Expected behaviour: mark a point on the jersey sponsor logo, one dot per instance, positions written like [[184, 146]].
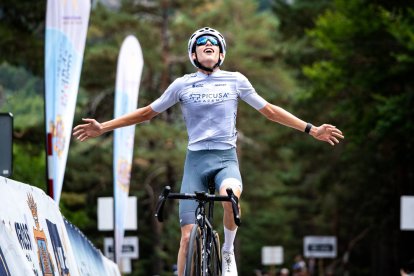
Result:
[[195, 85], [208, 97]]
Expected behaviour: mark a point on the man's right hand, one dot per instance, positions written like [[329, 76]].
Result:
[[91, 129], [327, 133]]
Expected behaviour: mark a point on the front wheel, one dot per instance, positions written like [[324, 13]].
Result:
[[194, 259], [215, 257]]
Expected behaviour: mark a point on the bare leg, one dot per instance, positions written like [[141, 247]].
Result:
[[229, 266], [182, 252], [228, 219]]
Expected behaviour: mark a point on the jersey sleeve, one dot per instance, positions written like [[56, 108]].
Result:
[[248, 93], [168, 98]]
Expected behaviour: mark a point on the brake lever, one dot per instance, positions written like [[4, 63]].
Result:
[[235, 206], [161, 202]]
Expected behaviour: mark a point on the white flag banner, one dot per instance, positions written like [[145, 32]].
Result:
[[129, 69], [66, 29]]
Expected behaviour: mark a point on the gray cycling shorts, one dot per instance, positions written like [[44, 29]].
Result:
[[220, 167]]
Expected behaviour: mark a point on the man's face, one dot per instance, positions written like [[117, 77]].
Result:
[[207, 51]]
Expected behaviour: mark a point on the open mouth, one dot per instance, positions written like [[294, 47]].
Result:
[[209, 51]]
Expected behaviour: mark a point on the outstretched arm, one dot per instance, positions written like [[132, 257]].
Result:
[[325, 132], [92, 128]]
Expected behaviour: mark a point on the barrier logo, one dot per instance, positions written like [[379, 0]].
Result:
[[22, 233], [58, 249], [23, 236], [4, 270], [40, 240]]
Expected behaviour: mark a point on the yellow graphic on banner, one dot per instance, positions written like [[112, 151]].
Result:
[[40, 240], [57, 130], [74, 3], [124, 174]]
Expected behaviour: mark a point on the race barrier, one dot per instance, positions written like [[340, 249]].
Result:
[[35, 239]]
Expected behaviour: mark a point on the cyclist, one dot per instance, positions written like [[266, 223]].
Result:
[[208, 101]]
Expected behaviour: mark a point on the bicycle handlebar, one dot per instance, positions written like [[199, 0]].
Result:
[[235, 205], [161, 202], [198, 196]]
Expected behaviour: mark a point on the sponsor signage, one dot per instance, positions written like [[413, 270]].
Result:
[[36, 240], [407, 217], [130, 248], [272, 255], [128, 78], [106, 213], [6, 144], [319, 247], [65, 36]]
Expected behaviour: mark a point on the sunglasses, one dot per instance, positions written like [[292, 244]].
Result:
[[203, 40]]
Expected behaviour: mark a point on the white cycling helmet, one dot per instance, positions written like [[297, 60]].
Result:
[[201, 32]]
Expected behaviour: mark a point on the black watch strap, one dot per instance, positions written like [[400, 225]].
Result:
[[308, 127]]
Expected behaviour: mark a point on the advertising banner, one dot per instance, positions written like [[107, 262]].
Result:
[[34, 239], [66, 28], [88, 258], [129, 69]]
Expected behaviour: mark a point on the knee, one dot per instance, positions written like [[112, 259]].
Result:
[[228, 208], [185, 237]]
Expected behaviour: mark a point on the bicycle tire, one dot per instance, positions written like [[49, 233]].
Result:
[[193, 264], [215, 256]]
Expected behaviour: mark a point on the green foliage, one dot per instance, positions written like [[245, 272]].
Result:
[[20, 94], [367, 51], [29, 165], [21, 33], [72, 206]]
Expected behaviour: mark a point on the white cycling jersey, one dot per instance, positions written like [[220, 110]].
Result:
[[209, 106]]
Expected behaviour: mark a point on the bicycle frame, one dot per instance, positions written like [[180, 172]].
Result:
[[203, 219]]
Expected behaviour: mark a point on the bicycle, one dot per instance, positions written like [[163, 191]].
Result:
[[203, 255]]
